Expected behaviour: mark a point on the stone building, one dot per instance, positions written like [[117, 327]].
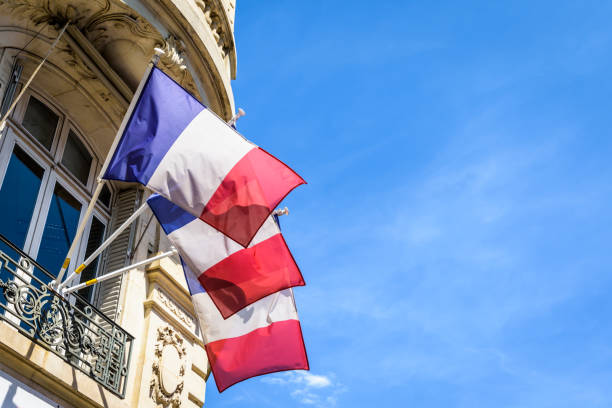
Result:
[[132, 341]]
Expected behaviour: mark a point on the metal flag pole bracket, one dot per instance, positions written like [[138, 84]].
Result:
[[110, 275], [27, 84], [237, 116], [104, 245], [283, 211]]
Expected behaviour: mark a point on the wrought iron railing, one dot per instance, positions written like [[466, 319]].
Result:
[[71, 328]]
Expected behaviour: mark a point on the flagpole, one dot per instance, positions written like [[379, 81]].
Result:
[[27, 84], [118, 272], [99, 179], [105, 244]]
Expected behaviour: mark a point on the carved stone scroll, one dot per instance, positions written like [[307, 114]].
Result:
[[168, 368]]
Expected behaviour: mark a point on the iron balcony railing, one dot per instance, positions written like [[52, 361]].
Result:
[[69, 327]]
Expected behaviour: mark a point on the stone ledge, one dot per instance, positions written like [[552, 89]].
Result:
[[56, 378]]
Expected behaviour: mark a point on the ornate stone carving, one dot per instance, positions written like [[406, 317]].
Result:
[[124, 38], [83, 73], [93, 18], [74, 60], [174, 308], [40, 11], [168, 368], [221, 33], [172, 63], [173, 52]]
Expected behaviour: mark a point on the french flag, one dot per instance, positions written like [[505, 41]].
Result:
[[262, 338], [178, 148], [233, 276]]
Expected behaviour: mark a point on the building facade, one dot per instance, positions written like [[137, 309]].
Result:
[[132, 341]]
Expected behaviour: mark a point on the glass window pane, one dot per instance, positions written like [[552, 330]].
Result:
[[96, 235], [18, 196], [76, 158], [17, 201], [60, 227], [40, 121], [105, 196]]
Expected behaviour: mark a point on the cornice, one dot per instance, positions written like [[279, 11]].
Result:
[[103, 23], [221, 27], [156, 274], [188, 22]]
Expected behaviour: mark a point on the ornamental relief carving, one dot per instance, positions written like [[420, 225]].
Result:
[[221, 33], [90, 17], [172, 62], [85, 75], [168, 368], [118, 33], [175, 309]]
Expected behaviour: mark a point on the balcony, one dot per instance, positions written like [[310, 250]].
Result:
[[69, 327]]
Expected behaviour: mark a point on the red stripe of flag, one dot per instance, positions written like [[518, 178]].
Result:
[[248, 194], [277, 347], [251, 274]]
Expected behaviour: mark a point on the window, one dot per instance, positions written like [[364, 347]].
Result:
[[44, 191], [76, 158], [18, 195], [60, 227], [40, 121], [105, 196]]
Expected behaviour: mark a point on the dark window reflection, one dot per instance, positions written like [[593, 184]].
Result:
[[18, 196], [59, 231], [105, 196], [76, 158], [40, 121], [17, 200], [96, 235]]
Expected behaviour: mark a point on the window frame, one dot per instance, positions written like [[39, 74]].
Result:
[[62, 148], [19, 115], [54, 172]]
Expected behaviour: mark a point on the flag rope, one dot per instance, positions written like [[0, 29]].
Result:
[[100, 180], [118, 272], [27, 84], [105, 244]]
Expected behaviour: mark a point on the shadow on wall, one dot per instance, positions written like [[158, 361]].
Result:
[[9, 396], [14, 394]]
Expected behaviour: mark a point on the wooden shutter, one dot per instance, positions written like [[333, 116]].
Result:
[[118, 253]]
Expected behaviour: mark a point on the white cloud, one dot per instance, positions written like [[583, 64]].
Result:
[[309, 389], [305, 378], [315, 381]]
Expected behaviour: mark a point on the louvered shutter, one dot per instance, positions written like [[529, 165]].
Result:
[[118, 253]]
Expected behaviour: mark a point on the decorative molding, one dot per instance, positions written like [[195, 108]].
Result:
[[104, 23], [220, 27], [166, 388], [84, 73], [175, 309], [70, 57], [172, 62], [95, 21], [173, 52], [159, 274]]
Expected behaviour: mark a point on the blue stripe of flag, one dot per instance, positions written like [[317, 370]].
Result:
[[170, 216], [162, 112]]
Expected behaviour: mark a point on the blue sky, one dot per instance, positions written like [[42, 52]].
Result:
[[455, 232]]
